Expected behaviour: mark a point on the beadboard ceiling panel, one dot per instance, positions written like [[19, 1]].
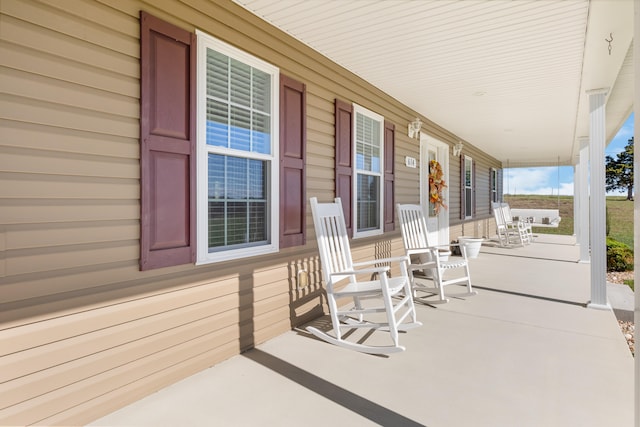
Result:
[[506, 76]]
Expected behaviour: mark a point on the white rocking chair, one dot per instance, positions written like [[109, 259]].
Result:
[[430, 262], [523, 226], [340, 276], [510, 231]]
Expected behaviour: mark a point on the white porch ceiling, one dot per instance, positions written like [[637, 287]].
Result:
[[506, 76]]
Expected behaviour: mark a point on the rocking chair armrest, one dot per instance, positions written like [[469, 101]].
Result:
[[417, 251], [381, 269], [434, 250], [447, 246], [402, 258]]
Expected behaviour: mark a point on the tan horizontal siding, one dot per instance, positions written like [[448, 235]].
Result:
[[34, 410], [146, 304], [55, 91], [34, 211], [64, 140], [31, 35], [122, 394], [47, 162], [21, 261], [31, 186], [47, 64], [74, 23], [23, 109], [112, 346], [137, 328]]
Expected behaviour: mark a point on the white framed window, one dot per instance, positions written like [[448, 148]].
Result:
[[468, 187], [237, 169], [494, 185], [368, 203]]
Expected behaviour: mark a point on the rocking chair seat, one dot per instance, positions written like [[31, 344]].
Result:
[[418, 268], [372, 287]]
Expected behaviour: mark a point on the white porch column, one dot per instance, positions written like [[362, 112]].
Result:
[[583, 200], [597, 200], [576, 205], [636, 203]]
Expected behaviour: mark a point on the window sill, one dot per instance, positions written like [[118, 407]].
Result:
[[235, 254]]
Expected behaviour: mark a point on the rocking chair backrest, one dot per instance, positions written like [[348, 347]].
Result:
[[506, 213], [413, 227], [332, 237], [498, 215]]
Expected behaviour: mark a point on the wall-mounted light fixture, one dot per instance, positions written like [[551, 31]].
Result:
[[414, 128], [457, 149]]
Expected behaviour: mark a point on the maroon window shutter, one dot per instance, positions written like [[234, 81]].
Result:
[[500, 186], [389, 176], [167, 140], [344, 159], [463, 203], [293, 135], [473, 188], [491, 189]]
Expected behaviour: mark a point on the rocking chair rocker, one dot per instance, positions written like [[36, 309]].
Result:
[[341, 278]]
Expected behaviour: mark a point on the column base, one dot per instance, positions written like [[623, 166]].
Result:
[[599, 306]]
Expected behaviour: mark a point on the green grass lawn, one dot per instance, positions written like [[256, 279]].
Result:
[[620, 219], [620, 215], [563, 203], [629, 283]]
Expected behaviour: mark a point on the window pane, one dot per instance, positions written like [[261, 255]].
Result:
[[257, 180], [375, 159], [217, 75], [238, 105], [467, 200], [261, 134], [217, 127], [261, 91], [368, 143], [216, 177], [360, 155], [216, 224], [239, 135], [368, 204], [360, 125], [257, 222], [236, 172], [240, 83], [236, 223], [238, 205]]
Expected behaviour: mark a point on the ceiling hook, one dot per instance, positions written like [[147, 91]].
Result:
[[609, 40]]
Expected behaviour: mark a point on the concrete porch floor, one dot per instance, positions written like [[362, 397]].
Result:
[[523, 352]]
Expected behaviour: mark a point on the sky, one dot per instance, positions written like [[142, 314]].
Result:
[[550, 180]]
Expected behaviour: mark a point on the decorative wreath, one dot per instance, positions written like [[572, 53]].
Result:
[[436, 185]]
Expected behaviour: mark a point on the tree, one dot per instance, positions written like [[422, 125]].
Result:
[[620, 171]]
